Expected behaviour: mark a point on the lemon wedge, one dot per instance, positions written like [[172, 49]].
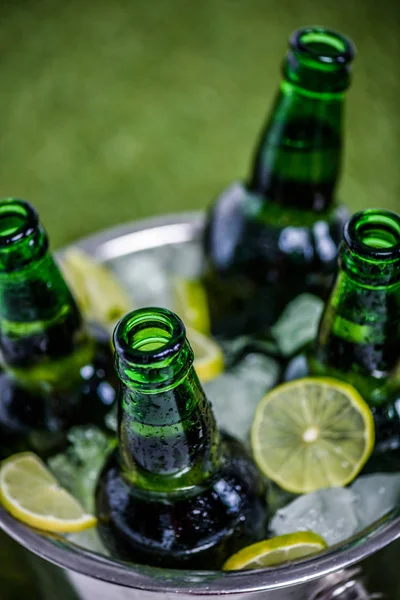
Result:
[[276, 551], [30, 493], [96, 289], [191, 305], [208, 356]]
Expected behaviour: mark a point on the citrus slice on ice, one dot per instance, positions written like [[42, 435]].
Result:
[[276, 551], [30, 493], [96, 288], [191, 305], [312, 433], [208, 356]]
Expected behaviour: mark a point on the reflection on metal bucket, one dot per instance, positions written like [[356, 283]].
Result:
[[343, 585]]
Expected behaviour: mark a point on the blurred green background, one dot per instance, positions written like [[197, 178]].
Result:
[[115, 110]]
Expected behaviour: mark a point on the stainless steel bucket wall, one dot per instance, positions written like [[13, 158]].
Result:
[[90, 589], [371, 556], [345, 573], [377, 577]]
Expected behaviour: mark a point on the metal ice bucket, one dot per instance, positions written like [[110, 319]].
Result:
[[368, 561]]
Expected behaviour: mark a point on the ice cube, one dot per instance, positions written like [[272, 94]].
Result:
[[148, 275], [89, 539], [234, 349], [183, 260], [77, 469], [298, 324], [261, 372], [338, 513], [236, 393], [145, 278], [329, 512], [375, 495]]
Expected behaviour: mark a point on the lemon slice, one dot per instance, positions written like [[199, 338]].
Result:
[[312, 433], [276, 551], [208, 356], [97, 291], [32, 495], [191, 305]]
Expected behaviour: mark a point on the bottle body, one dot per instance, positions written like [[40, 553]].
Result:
[[57, 372], [38, 419], [357, 339], [259, 258], [197, 528], [175, 493], [277, 236], [359, 334]]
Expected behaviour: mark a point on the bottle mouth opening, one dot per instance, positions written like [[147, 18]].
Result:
[[374, 234], [149, 335], [18, 220], [323, 46]]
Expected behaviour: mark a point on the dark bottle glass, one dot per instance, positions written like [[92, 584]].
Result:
[[176, 492], [56, 371], [277, 236], [359, 334]]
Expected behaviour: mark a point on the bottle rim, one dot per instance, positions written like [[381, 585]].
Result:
[[18, 220], [159, 328], [322, 45], [374, 234]]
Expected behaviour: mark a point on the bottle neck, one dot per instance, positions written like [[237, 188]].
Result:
[[359, 333], [298, 160], [168, 439], [42, 335]]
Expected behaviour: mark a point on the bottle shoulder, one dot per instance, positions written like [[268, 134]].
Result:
[[237, 465], [243, 227], [236, 469], [237, 201]]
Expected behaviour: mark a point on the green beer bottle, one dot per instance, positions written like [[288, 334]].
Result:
[[277, 236], [176, 492], [359, 333], [55, 371]]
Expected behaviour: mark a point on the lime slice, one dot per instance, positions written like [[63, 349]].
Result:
[[191, 305], [208, 357], [276, 551], [32, 495], [312, 433], [97, 291]]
